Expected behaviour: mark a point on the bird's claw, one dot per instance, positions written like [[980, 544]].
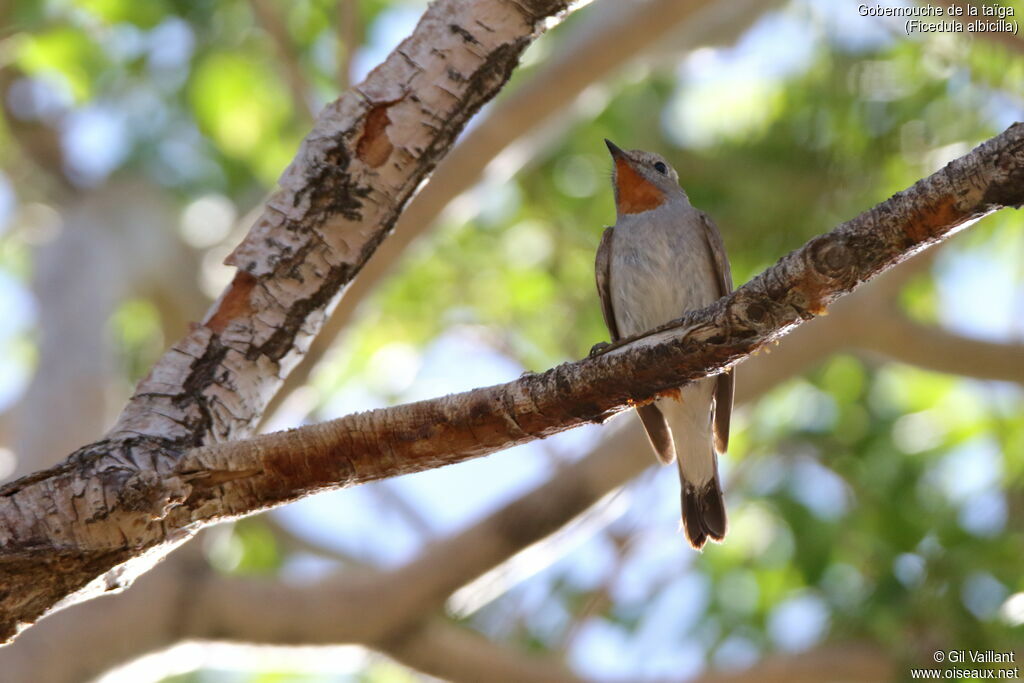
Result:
[[597, 348]]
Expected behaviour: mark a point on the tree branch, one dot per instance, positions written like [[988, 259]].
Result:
[[873, 321], [37, 142], [338, 200], [815, 276], [618, 458], [349, 38], [898, 338], [294, 77], [277, 468], [453, 653]]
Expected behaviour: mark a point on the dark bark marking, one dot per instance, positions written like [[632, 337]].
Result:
[[21, 568], [283, 338], [202, 373], [464, 34], [331, 191]]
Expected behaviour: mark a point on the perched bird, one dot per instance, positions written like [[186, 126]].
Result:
[[663, 258]]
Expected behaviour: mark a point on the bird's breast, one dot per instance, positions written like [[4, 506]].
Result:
[[660, 268]]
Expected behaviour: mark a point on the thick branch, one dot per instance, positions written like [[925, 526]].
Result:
[[898, 338], [369, 150], [237, 478], [426, 580], [454, 653], [339, 609], [873, 321], [936, 222]]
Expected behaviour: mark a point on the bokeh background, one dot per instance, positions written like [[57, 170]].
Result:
[[875, 476]]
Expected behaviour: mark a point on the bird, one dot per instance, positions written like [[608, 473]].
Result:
[[662, 258]]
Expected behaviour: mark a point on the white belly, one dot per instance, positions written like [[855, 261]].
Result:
[[660, 269]]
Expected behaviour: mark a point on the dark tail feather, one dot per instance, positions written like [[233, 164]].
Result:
[[657, 432], [704, 513]]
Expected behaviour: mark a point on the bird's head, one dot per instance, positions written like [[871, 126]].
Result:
[[642, 180]]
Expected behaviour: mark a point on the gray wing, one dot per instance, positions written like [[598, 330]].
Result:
[[652, 419], [727, 380], [603, 272]]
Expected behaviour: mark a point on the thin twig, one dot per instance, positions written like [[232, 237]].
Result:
[[349, 38], [291, 66]]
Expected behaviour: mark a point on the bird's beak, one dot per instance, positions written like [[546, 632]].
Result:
[[614, 149]]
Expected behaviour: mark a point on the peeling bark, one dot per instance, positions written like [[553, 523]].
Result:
[[62, 530]]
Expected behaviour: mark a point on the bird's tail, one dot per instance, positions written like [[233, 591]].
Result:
[[703, 513], [702, 506]]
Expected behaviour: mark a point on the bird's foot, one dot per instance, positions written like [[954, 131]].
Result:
[[597, 348]]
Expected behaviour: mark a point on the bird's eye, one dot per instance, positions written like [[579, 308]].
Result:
[[661, 168]]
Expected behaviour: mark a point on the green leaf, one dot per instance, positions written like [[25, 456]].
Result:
[[240, 103]]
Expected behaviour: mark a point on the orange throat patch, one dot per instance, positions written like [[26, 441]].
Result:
[[635, 194]]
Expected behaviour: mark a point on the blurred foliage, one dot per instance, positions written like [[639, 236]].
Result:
[[869, 501], [136, 327], [247, 546]]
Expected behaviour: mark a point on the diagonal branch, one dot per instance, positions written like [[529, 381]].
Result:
[[454, 653], [425, 580], [277, 468], [295, 78], [349, 38], [421, 586], [873, 321], [899, 338]]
